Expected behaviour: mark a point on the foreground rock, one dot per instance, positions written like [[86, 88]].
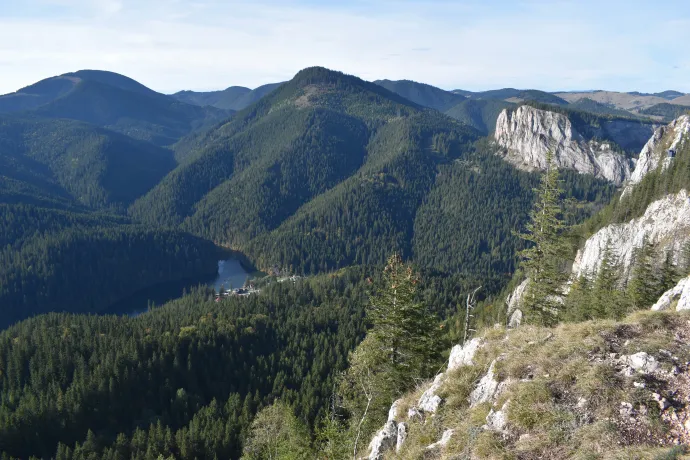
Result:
[[526, 134]]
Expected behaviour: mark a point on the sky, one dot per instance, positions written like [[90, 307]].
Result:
[[170, 45]]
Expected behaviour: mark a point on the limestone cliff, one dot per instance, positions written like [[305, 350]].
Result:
[[526, 134], [655, 154], [665, 223]]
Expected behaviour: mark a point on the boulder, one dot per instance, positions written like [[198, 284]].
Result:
[[430, 401], [445, 438], [462, 355], [497, 420], [384, 440], [641, 362]]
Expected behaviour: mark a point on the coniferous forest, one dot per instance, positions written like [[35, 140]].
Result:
[[367, 219]]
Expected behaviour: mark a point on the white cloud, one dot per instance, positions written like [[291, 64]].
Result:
[[209, 45]]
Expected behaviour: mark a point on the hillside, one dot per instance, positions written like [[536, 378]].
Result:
[[233, 98], [113, 101], [515, 95], [481, 114], [153, 117], [68, 161], [50, 89], [632, 102], [604, 389], [666, 111], [423, 94], [330, 170]]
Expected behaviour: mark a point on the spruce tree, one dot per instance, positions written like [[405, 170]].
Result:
[[669, 274], [543, 261], [606, 299], [401, 324], [644, 283], [579, 300]]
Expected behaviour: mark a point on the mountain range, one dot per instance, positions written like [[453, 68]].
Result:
[[109, 189]]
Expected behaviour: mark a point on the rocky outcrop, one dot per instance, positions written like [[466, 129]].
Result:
[[486, 388], [445, 439], [384, 440], [513, 303], [526, 134], [394, 432], [463, 355], [430, 401], [665, 223], [678, 296], [497, 419], [655, 153]]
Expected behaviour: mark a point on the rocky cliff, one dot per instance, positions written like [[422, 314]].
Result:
[[665, 223], [659, 151], [526, 134]]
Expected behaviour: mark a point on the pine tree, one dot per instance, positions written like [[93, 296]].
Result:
[[543, 262]]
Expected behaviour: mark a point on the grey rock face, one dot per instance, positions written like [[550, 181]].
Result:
[[497, 420], [654, 154], [383, 441], [402, 436], [665, 223], [527, 134], [445, 439]]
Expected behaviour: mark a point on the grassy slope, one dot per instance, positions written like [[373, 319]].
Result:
[[565, 393]]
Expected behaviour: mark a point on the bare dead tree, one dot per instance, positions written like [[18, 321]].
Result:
[[471, 304]]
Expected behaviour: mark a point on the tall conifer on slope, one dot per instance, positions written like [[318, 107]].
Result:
[[401, 347], [543, 261]]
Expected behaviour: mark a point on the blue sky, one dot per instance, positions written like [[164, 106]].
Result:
[[212, 44]]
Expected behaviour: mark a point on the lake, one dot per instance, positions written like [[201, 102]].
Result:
[[231, 274]]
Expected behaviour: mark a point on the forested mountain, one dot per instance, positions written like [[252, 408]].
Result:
[[514, 95], [481, 114], [78, 264], [232, 98], [62, 161], [113, 101], [330, 170], [423, 94], [50, 89], [665, 111]]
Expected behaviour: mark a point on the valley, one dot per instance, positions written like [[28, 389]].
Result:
[[180, 273]]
